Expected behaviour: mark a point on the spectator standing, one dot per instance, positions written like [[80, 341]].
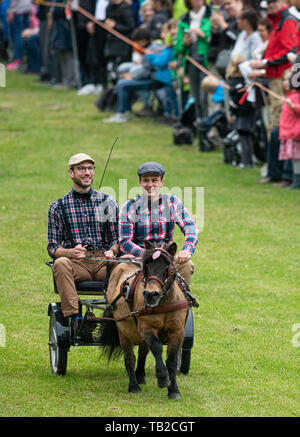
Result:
[[249, 39], [224, 23], [289, 131], [119, 16], [44, 42], [3, 30], [91, 44], [194, 31], [61, 44], [18, 19], [31, 37], [243, 112], [282, 42], [161, 15]]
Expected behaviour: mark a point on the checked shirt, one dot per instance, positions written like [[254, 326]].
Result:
[[95, 218], [140, 222]]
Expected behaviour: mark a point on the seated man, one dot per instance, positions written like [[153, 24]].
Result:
[[82, 218], [151, 217]]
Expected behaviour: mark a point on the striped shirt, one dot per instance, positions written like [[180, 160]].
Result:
[[94, 218], [140, 222]]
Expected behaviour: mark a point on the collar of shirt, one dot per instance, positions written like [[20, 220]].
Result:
[[83, 196], [143, 206]]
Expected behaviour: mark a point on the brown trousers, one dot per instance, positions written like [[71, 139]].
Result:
[[186, 270], [68, 271]]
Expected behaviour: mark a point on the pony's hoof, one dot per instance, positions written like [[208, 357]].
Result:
[[135, 389], [174, 396], [163, 382]]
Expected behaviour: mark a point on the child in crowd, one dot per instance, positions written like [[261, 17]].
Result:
[[289, 129], [142, 39], [242, 110], [156, 67]]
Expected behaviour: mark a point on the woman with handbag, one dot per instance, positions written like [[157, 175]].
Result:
[[193, 37]]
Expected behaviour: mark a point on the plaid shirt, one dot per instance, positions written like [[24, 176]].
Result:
[[98, 215], [139, 223]]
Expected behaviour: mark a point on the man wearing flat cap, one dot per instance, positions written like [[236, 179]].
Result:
[[151, 216], [82, 219]]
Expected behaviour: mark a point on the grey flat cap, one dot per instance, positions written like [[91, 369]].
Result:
[[151, 168]]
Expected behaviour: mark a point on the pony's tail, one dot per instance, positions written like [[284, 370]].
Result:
[[109, 337]]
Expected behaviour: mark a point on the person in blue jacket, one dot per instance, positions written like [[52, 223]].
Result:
[[153, 74]]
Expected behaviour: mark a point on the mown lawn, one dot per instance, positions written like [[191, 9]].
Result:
[[246, 279]]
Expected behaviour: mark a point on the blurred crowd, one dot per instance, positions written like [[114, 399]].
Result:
[[221, 72]]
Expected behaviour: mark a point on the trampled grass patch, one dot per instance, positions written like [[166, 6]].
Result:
[[246, 269]]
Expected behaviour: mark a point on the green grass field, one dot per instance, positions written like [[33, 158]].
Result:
[[246, 280]]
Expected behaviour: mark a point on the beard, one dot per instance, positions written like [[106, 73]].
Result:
[[82, 183]]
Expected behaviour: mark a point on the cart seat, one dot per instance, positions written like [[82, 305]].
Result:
[[90, 288]]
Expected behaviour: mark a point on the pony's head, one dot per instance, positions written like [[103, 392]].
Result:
[[158, 270]]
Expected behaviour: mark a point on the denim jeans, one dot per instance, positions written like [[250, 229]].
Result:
[[33, 50], [19, 23], [171, 104], [126, 90]]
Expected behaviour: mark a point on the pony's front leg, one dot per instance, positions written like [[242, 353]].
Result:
[[140, 369], [174, 345], [157, 349], [129, 360]]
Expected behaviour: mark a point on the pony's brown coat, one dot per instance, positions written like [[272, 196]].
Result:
[[148, 331]]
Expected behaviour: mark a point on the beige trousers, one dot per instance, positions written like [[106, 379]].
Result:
[[68, 271], [275, 105], [186, 270]]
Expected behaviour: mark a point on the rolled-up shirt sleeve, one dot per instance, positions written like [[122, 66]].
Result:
[[114, 220], [186, 224]]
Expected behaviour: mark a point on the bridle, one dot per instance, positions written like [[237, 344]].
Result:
[[166, 284]]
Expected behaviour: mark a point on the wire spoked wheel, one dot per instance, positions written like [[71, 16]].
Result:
[[58, 356]]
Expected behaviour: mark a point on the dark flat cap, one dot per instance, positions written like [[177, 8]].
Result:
[[151, 168]]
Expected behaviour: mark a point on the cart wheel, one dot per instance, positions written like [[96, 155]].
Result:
[[184, 361], [58, 356]]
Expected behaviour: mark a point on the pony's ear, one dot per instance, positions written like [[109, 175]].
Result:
[[148, 245], [171, 248]]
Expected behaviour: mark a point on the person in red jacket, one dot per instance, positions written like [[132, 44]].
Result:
[[282, 43], [289, 130], [283, 40]]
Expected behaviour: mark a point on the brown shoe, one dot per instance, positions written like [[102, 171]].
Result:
[[268, 180], [282, 184]]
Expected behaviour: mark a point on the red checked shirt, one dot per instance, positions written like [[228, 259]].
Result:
[[139, 222]]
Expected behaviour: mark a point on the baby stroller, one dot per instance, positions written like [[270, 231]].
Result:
[[185, 130], [232, 146], [218, 120]]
